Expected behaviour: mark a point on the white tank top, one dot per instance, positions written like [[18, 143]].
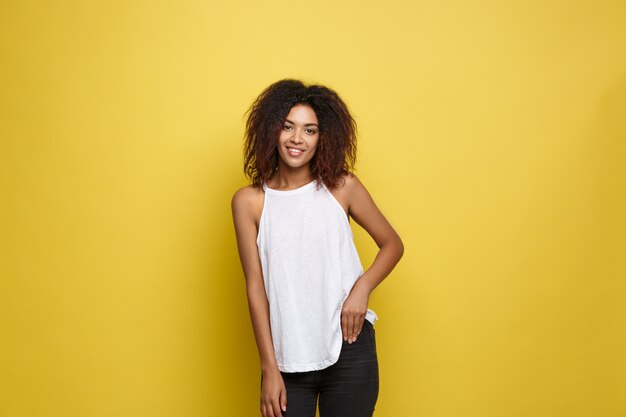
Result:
[[309, 263]]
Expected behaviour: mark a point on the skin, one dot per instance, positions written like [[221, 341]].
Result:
[[301, 130]]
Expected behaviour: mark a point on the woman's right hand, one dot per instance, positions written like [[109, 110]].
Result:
[[273, 394]]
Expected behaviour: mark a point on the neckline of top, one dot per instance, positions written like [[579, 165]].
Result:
[[292, 191]]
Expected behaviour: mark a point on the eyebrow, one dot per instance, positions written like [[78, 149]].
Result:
[[307, 124]]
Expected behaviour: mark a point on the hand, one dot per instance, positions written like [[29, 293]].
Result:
[[353, 313], [273, 394]]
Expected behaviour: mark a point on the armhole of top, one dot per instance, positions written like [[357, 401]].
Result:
[[258, 235], [338, 204]]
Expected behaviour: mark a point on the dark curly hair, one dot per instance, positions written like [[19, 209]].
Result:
[[335, 155]]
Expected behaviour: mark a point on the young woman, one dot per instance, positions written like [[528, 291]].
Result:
[[307, 290]]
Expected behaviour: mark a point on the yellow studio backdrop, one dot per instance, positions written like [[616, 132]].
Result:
[[492, 136]]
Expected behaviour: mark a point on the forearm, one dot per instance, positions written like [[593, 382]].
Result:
[[386, 259], [259, 314]]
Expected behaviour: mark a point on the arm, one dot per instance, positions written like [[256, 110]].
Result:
[[273, 393], [363, 210]]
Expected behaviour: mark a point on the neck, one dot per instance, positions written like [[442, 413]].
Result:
[[287, 177]]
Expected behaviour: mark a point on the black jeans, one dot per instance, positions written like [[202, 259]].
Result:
[[348, 388]]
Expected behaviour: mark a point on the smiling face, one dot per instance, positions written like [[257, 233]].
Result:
[[298, 137]]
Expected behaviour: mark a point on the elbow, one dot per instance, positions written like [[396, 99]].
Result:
[[400, 248], [255, 289], [398, 245], [394, 246]]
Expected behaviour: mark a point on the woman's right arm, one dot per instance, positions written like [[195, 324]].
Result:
[[273, 393]]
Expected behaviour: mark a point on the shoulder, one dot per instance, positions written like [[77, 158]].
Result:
[[246, 199], [349, 190], [351, 183]]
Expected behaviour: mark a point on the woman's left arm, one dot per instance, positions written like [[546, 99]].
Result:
[[363, 210]]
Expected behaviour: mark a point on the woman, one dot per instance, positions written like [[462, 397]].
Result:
[[307, 291]]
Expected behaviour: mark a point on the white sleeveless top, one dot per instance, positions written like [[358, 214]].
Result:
[[309, 263]]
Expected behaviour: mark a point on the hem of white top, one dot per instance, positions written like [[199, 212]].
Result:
[[326, 363], [371, 316], [309, 366]]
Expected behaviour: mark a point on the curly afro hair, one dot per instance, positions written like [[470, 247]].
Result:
[[335, 155]]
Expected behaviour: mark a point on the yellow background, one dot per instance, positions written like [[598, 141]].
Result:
[[492, 135]]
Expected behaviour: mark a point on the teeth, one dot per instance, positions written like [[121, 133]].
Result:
[[294, 150]]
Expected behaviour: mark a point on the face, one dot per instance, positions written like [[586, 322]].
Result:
[[298, 137]]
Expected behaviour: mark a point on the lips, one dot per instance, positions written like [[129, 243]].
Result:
[[294, 151]]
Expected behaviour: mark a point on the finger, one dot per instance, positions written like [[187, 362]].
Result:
[[344, 326], [350, 327], [269, 409], [276, 408], [283, 400], [355, 329], [359, 328], [263, 413]]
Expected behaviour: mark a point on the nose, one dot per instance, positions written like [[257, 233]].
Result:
[[296, 138]]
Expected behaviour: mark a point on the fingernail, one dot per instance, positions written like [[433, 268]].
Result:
[[284, 408]]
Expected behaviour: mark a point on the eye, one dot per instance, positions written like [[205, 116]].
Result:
[[311, 131], [287, 127]]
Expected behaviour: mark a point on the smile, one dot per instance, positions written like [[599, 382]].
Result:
[[294, 151]]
